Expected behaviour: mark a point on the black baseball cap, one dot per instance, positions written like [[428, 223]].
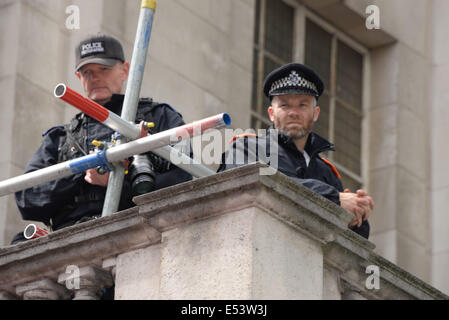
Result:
[[293, 78], [100, 49]]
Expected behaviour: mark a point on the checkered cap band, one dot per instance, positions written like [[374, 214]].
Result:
[[291, 81]]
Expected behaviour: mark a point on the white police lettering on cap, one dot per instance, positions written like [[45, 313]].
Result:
[[92, 47], [293, 80]]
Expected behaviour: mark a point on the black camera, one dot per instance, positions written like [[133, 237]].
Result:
[[142, 175]]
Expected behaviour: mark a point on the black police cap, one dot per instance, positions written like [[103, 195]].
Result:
[[99, 49], [293, 78]]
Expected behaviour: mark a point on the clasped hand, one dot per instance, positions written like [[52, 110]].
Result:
[[360, 204]]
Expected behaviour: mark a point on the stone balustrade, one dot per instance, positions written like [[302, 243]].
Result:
[[234, 235]]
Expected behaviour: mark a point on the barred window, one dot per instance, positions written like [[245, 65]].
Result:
[[273, 47], [339, 65], [341, 69]]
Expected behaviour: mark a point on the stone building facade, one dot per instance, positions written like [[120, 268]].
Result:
[[205, 58]]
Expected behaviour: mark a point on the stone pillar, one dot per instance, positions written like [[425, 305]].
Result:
[[22, 85], [88, 283], [45, 289], [439, 124], [401, 97], [110, 265], [246, 254], [138, 274], [332, 288]]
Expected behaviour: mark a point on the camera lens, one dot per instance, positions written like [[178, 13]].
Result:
[[142, 175]]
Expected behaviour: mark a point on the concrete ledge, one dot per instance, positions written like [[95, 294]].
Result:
[[84, 244], [233, 235], [238, 189]]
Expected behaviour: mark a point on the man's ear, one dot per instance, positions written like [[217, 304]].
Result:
[[78, 75], [316, 113], [270, 112], [125, 69]]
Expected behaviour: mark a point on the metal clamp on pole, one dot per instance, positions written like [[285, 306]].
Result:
[[141, 43]]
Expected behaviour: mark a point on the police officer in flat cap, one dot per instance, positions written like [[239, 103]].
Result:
[[293, 90], [102, 70]]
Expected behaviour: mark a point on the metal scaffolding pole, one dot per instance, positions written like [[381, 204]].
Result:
[[141, 43], [112, 155]]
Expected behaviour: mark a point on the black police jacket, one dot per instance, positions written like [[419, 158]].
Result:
[[319, 176], [65, 201]]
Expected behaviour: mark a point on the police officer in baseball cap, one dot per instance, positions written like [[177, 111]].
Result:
[[102, 70], [101, 67], [293, 90]]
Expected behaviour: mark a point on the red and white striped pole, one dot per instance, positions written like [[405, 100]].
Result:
[[96, 111], [32, 232]]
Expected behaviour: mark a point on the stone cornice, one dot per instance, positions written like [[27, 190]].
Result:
[[91, 243]]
